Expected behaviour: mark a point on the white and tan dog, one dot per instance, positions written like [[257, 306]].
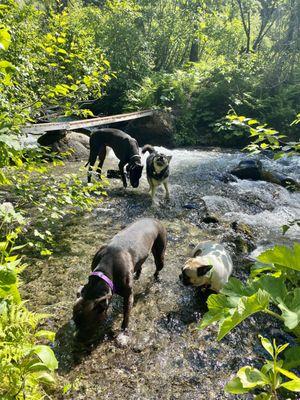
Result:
[[210, 266]]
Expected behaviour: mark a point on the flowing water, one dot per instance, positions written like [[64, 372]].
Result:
[[167, 357]]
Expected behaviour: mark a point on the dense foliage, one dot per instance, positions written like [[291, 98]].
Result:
[[210, 63], [26, 365], [274, 375], [198, 58]]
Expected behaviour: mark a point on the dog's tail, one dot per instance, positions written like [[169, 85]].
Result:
[[149, 148]]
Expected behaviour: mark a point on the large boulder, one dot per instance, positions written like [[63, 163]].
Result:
[[248, 169], [253, 169], [158, 130], [74, 144]]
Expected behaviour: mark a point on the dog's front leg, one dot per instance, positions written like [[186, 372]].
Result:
[[153, 190], [123, 177], [165, 183], [128, 303]]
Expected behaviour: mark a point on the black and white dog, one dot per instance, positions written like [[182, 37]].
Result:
[[157, 168], [125, 148]]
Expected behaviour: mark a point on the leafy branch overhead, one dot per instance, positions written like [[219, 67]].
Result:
[[264, 138]]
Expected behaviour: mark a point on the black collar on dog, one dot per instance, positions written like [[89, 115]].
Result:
[[160, 175]]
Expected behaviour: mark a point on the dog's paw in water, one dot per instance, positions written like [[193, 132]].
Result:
[[122, 339]]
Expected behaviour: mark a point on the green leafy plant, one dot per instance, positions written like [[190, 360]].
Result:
[[280, 261], [264, 138], [270, 379], [46, 197], [47, 62], [238, 301], [26, 365]]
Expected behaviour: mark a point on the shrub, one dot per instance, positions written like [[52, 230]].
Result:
[[26, 366]]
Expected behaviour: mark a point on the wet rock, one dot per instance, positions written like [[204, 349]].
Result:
[[241, 236], [157, 130], [210, 219], [122, 340], [74, 143], [253, 169], [248, 169], [226, 177]]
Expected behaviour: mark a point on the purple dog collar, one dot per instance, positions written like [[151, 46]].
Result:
[[104, 278]]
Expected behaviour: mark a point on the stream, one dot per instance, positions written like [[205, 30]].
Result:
[[167, 358]]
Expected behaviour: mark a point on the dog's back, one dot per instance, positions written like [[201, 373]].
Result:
[[123, 145]]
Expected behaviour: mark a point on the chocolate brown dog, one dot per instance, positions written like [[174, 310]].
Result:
[[125, 148], [114, 266]]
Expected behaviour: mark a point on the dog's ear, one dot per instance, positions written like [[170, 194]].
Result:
[[204, 269], [198, 253]]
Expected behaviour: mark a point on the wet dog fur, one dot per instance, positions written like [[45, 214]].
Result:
[[121, 261], [157, 168]]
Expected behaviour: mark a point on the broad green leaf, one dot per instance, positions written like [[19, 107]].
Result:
[[47, 356], [283, 256], [236, 288], [251, 377], [235, 387], [293, 386], [245, 307], [7, 276], [274, 286], [291, 309], [38, 367], [10, 291], [258, 268], [4, 38], [282, 348], [267, 345], [287, 373], [218, 305], [44, 377]]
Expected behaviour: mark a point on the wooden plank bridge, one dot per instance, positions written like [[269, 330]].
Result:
[[40, 129]]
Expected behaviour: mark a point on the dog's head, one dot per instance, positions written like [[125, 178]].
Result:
[[89, 312], [196, 272], [135, 172], [161, 161]]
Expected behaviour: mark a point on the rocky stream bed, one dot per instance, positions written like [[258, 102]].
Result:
[[167, 357]]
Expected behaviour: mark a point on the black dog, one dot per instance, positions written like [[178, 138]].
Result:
[[113, 269], [125, 148]]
